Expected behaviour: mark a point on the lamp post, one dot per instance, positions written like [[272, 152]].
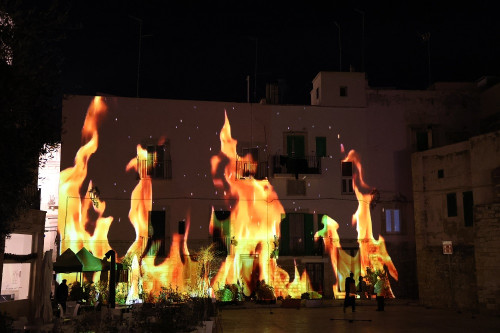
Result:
[[426, 38], [340, 48], [362, 38], [112, 277]]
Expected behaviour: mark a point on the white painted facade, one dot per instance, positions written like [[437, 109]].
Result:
[[380, 125]]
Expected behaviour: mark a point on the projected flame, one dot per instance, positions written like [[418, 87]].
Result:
[[254, 223], [372, 253], [76, 230]]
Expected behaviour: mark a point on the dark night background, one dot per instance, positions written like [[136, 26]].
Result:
[[205, 50]]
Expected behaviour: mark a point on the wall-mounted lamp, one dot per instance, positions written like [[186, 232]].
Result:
[[94, 196]]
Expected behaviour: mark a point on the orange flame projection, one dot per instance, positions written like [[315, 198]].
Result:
[[372, 253], [141, 204], [254, 223], [73, 224]]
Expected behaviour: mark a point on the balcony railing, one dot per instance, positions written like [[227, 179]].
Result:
[[283, 164], [246, 169], [154, 169]]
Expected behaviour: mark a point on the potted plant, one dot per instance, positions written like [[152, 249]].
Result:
[[265, 293], [312, 299], [289, 302]]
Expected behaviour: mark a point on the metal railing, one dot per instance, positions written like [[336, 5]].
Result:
[[246, 169], [154, 169], [296, 165]]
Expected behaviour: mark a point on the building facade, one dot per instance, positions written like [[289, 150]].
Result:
[[457, 203], [164, 178]]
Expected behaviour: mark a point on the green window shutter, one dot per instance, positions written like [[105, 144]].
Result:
[[309, 234], [320, 146], [222, 221], [285, 235], [295, 146]]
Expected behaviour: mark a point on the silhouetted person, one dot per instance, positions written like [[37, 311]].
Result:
[[362, 288], [380, 292], [350, 292], [62, 294]]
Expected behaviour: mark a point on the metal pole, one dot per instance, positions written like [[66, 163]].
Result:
[[340, 48], [139, 52], [255, 73], [429, 58], [248, 88], [112, 278], [362, 39]]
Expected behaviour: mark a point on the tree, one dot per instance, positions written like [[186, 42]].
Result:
[[30, 97]]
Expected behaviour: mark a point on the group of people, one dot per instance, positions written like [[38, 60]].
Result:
[[377, 286]]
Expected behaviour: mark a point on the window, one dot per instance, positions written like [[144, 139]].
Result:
[[248, 164], [156, 165], [315, 273], [317, 93], [295, 145], [423, 138], [343, 91], [20, 244], [392, 221], [15, 281], [297, 234], [468, 203], [16, 276], [221, 234], [347, 187], [156, 233], [440, 173], [451, 203], [320, 146]]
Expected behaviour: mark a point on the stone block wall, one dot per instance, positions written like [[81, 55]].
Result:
[[487, 256], [447, 280]]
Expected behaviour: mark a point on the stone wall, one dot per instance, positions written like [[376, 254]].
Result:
[[447, 280], [487, 245]]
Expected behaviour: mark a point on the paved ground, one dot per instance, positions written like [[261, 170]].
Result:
[[397, 317]]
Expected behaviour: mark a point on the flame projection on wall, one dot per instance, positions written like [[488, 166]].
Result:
[[255, 222], [372, 253]]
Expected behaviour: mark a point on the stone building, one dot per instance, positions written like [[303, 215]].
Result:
[[456, 203]]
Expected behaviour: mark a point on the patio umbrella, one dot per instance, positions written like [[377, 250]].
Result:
[[68, 262], [89, 261], [43, 307]]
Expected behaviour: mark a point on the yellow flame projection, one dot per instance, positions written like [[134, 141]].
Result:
[[141, 204], [372, 253], [73, 209], [254, 223]]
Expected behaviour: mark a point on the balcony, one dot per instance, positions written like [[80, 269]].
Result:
[[154, 169], [247, 169], [283, 164]]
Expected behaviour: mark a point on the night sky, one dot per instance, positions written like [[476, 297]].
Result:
[[204, 50]]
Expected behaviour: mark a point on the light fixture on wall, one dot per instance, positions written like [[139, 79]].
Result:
[[94, 196]]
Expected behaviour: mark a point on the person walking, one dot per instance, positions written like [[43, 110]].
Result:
[[350, 292], [380, 292], [362, 288], [62, 294]]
